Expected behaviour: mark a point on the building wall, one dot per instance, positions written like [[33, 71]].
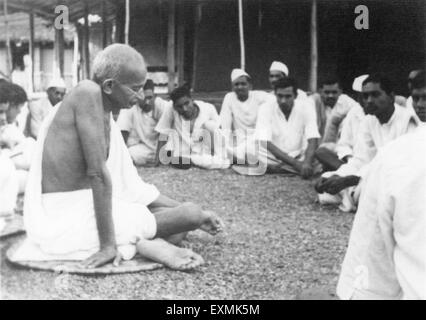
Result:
[[280, 30]]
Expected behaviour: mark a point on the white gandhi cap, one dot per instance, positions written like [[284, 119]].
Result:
[[357, 84], [236, 73], [56, 83], [279, 66]]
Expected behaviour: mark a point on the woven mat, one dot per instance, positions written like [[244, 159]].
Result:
[[13, 226], [137, 264]]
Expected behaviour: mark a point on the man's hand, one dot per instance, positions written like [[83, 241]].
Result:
[[102, 257], [335, 184], [319, 185], [306, 170]]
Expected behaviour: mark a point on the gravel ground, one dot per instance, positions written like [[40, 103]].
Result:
[[277, 242]]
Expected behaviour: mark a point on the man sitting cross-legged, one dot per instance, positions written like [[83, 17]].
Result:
[[384, 122], [84, 198], [238, 115], [286, 134], [331, 154], [138, 126], [189, 132]]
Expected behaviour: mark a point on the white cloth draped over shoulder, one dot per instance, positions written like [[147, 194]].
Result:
[[62, 225]]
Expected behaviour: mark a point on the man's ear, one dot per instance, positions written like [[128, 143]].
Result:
[[107, 86]]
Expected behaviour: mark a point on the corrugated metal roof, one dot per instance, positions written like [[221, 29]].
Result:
[[19, 29], [46, 8]]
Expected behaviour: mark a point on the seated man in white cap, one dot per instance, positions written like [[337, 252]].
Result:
[[84, 198], [238, 115], [331, 154], [190, 133], [279, 70], [386, 255], [138, 126], [287, 133], [384, 122], [39, 109]]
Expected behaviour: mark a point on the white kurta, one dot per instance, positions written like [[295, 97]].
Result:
[[238, 120], [329, 119], [372, 135], [9, 185], [143, 139], [191, 144], [386, 256], [349, 133], [291, 136]]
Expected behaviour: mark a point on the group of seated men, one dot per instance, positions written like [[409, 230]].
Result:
[[281, 131], [85, 200]]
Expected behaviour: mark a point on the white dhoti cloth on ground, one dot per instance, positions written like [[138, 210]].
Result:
[[62, 225]]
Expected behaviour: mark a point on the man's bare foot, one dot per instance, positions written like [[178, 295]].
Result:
[[173, 257], [212, 223]]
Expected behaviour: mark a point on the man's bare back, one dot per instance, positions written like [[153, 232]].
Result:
[[65, 165]]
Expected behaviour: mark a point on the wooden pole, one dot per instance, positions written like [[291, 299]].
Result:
[[104, 25], [75, 59], [8, 51], [197, 20], [31, 52], [60, 51], [86, 42], [171, 46], [241, 29], [181, 43], [313, 78], [127, 23]]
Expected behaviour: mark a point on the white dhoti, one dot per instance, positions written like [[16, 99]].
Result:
[[141, 154], [62, 225]]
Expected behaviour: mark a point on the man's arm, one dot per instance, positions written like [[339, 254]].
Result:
[[89, 116], [307, 167]]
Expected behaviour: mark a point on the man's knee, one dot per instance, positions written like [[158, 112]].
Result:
[[321, 152]]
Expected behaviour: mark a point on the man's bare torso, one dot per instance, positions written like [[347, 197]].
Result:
[[64, 164]]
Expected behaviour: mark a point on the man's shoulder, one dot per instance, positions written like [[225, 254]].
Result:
[[84, 94], [205, 106], [85, 89]]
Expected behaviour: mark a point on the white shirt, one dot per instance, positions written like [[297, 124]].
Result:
[[240, 116], [386, 256], [373, 135], [329, 119], [290, 135], [141, 125], [349, 132], [184, 141]]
